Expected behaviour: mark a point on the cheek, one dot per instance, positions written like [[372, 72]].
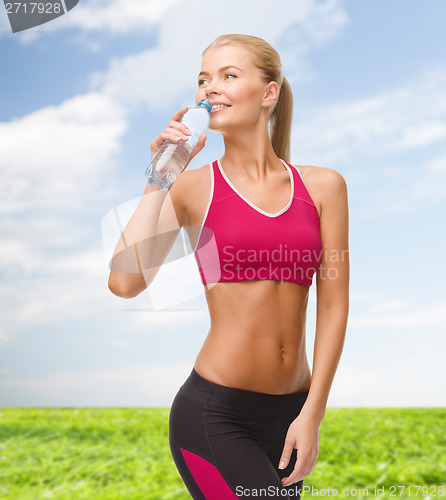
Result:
[[243, 92], [250, 95]]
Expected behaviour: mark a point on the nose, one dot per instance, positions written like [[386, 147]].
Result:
[[212, 88]]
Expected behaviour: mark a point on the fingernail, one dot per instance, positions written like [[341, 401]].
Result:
[[188, 131], [282, 465]]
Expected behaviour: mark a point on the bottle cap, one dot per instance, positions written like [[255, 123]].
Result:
[[205, 104]]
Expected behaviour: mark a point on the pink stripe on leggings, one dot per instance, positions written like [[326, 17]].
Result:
[[209, 480]]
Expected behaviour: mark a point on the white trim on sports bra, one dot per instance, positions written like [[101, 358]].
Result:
[[252, 204]]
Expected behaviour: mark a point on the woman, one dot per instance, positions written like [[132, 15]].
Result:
[[246, 421]]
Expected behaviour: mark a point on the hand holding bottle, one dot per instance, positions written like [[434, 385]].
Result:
[[177, 132], [180, 141]]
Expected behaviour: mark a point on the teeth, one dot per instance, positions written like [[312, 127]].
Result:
[[220, 106]]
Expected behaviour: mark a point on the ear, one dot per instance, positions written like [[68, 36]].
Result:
[[271, 94]]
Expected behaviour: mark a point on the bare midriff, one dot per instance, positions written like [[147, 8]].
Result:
[[256, 340]]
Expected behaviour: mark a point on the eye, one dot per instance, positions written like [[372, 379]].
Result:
[[227, 74]]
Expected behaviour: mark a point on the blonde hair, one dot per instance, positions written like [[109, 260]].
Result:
[[267, 59]]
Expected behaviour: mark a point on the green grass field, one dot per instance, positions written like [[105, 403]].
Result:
[[123, 453]]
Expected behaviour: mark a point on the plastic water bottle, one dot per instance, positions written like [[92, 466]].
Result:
[[172, 157]]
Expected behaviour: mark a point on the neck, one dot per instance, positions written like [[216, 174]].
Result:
[[250, 153]]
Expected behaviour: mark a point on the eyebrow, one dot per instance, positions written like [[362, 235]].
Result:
[[221, 69]]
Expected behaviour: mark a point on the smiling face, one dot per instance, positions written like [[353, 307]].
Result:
[[228, 76]]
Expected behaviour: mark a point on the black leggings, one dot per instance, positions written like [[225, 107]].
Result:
[[227, 442]]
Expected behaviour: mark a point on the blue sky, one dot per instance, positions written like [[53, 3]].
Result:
[[81, 98]]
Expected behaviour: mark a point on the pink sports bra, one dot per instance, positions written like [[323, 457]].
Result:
[[238, 241]]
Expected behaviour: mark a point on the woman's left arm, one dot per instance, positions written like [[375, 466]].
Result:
[[332, 282]]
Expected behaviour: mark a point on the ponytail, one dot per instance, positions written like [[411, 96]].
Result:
[[280, 122]]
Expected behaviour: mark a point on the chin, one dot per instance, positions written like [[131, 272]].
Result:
[[217, 128]]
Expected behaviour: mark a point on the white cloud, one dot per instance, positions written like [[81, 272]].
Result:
[[26, 256], [362, 295], [146, 385], [41, 289], [118, 16], [398, 315], [30, 301], [324, 21], [430, 184], [53, 156], [153, 321], [395, 383], [400, 120], [390, 306], [313, 22], [115, 17]]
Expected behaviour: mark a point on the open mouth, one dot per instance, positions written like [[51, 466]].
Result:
[[219, 107]]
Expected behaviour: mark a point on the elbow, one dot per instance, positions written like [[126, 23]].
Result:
[[123, 290], [126, 279], [122, 293]]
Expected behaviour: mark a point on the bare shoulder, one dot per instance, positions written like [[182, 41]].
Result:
[[325, 185], [190, 194], [324, 178]]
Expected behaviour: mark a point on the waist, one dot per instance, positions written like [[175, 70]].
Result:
[[265, 360], [203, 391]]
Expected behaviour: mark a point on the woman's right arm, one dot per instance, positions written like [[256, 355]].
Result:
[[153, 227]]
